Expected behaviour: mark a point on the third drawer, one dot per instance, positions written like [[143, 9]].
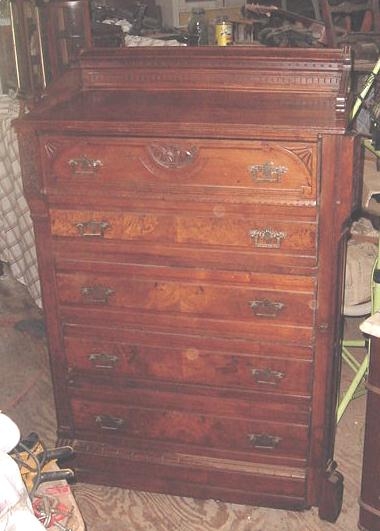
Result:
[[134, 354]]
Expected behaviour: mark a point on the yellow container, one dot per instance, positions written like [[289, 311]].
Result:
[[223, 32]]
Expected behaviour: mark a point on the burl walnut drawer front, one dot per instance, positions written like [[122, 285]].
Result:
[[181, 359], [174, 296], [167, 303], [286, 171], [170, 424], [236, 232]]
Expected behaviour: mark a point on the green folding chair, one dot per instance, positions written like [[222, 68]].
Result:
[[359, 365]]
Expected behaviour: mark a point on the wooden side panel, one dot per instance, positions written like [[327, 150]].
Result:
[[337, 183]]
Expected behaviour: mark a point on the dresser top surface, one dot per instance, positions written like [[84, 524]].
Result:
[[201, 92], [221, 112]]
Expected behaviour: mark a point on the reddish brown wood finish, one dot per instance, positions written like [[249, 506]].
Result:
[[190, 208]]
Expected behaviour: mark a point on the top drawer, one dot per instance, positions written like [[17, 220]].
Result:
[[271, 171]]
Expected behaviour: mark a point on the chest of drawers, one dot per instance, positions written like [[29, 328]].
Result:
[[190, 210]]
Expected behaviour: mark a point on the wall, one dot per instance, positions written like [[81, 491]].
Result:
[[176, 13]]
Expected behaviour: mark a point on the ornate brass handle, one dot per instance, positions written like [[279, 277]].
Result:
[[101, 360], [267, 172], [96, 294], [264, 441], [267, 376], [266, 308], [92, 229], [108, 422], [267, 238], [84, 165]]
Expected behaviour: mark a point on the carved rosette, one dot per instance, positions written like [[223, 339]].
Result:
[[172, 155], [52, 148], [305, 155]]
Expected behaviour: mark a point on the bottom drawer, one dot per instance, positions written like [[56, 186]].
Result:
[[229, 431]]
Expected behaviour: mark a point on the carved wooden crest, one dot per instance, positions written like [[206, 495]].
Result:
[[168, 160], [172, 155]]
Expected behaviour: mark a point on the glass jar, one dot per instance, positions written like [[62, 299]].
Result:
[[198, 27]]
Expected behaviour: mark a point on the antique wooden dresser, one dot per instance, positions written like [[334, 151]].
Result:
[[191, 210]]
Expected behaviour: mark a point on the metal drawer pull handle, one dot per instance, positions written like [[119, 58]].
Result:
[[267, 172], [108, 422], [267, 238], [96, 294], [266, 308], [264, 441], [92, 229], [267, 376], [102, 360], [84, 165]]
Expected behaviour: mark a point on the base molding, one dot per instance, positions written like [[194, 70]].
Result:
[[190, 475]]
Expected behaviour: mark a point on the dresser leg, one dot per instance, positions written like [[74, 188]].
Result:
[[331, 495]]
